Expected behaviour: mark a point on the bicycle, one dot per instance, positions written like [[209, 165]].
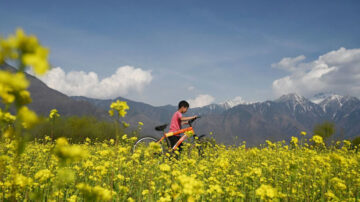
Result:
[[200, 142]]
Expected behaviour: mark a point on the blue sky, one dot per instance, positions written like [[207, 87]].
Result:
[[223, 49]]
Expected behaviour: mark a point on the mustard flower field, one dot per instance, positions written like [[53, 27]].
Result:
[[304, 169], [109, 171]]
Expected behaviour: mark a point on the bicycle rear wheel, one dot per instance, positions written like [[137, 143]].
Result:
[[144, 143]]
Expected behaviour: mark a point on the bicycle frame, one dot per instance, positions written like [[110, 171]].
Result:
[[182, 139]]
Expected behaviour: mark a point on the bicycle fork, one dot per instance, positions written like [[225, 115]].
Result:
[[182, 139]]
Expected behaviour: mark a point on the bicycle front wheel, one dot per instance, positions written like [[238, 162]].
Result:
[[201, 146], [145, 142]]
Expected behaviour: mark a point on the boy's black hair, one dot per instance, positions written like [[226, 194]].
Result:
[[183, 103]]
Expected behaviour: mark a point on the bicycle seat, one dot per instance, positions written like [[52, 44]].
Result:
[[161, 127]]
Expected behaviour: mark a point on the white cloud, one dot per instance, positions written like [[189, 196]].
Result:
[[289, 64], [337, 71], [81, 83], [201, 100]]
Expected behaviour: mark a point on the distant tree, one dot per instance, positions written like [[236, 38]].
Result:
[[325, 129], [356, 143]]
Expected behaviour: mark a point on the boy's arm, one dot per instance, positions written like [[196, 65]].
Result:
[[187, 118], [184, 122]]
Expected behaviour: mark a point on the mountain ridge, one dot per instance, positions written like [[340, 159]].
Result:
[[274, 120], [251, 122]]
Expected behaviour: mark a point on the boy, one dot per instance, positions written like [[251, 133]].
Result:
[[177, 120]]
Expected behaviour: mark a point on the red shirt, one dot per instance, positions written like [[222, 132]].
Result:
[[175, 124]]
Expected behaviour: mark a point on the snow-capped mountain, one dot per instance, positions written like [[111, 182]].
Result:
[[337, 106], [319, 97], [293, 99], [337, 101], [233, 102], [333, 102], [297, 103]]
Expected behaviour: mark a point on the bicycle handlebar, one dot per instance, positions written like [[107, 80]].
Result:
[[192, 120]]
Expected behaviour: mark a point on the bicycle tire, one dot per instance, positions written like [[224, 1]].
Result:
[[145, 141]]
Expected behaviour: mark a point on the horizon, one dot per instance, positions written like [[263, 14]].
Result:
[[311, 99], [205, 52]]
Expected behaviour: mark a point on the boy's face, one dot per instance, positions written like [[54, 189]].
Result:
[[183, 109]]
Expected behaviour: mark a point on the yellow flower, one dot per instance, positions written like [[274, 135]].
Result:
[[37, 60], [28, 117], [331, 196], [266, 192], [24, 97], [317, 139], [154, 147], [43, 175], [125, 124], [270, 143], [94, 193], [189, 133], [102, 194], [7, 117], [303, 133], [73, 198], [65, 176], [66, 152], [54, 113], [347, 143], [130, 199], [215, 189], [164, 167], [120, 106], [145, 192], [22, 181], [33, 54], [124, 137], [190, 185], [338, 183], [294, 140], [13, 88], [111, 112]]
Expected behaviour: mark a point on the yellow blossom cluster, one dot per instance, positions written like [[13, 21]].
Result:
[[317, 140], [294, 141], [111, 172], [54, 113], [27, 49], [66, 152], [28, 117], [7, 117], [266, 192], [96, 193], [13, 88], [120, 107]]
